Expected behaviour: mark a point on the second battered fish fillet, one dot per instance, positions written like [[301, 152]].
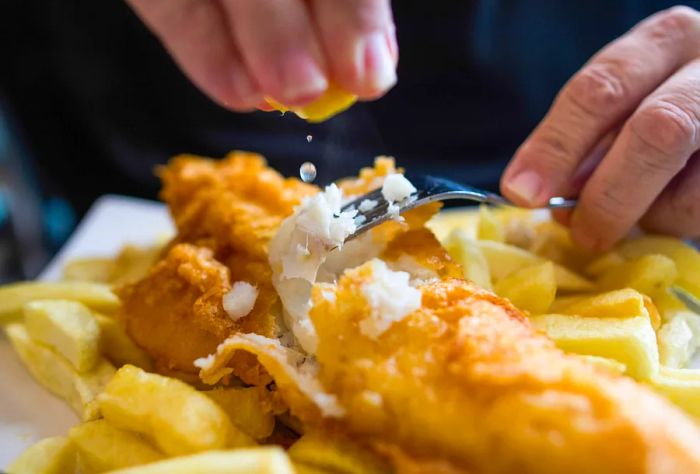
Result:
[[466, 379], [176, 313], [225, 212]]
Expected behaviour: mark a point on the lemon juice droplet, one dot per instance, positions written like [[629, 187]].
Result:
[[309, 138], [307, 172]]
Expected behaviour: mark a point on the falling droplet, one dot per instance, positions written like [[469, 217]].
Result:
[[309, 138], [307, 172]]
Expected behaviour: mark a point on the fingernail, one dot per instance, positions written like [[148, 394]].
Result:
[[247, 92], [303, 79], [379, 70], [525, 186]]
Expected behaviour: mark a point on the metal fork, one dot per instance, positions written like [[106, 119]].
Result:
[[430, 189], [690, 301]]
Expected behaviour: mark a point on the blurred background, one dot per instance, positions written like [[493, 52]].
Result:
[[90, 103]]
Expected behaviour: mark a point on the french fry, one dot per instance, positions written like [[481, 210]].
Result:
[[603, 263], [93, 269], [54, 372], [261, 460], [55, 455], [686, 258], [94, 295], [178, 418], [118, 347], [552, 241], [561, 303], [679, 338], [102, 447], [488, 226], [631, 341], [468, 254], [648, 274], [504, 259], [133, 263], [626, 303], [247, 408], [531, 288], [68, 327], [337, 455], [449, 220], [681, 386]]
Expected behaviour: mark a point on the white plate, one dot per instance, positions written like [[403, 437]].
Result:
[[28, 412]]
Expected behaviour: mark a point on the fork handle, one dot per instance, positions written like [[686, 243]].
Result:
[[553, 203]]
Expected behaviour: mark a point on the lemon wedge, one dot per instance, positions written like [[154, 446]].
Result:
[[332, 102]]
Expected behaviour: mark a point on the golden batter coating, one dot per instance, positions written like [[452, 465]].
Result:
[[466, 379], [462, 384]]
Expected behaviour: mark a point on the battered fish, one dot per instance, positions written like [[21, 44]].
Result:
[[466, 379], [428, 370]]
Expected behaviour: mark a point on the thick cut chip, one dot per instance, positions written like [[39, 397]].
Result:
[[626, 303], [178, 418], [336, 454], [631, 341], [600, 265], [250, 409], [648, 274], [450, 220], [131, 264], [552, 241], [117, 346], [68, 327], [102, 447], [54, 455], [686, 258], [531, 288], [262, 460], [489, 227], [332, 102], [93, 269], [54, 372], [94, 295], [468, 254], [504, 259]]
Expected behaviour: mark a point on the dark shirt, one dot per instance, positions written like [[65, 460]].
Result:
[[99, 103]]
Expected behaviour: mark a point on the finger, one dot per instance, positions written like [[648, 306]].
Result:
[[602, 94], [584, 172], [278, 42], [196, 35], [359, 40], [677, 210], [653, 146]]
